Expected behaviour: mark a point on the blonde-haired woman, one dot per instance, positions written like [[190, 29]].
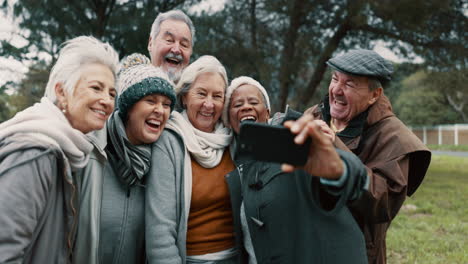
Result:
[[41, 148], [188, 211]]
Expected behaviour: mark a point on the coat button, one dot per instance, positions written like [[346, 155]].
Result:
[[257, 222]]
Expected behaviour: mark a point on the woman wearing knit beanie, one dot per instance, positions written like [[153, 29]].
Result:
[[188, 212], [113, 222], [284, 213]]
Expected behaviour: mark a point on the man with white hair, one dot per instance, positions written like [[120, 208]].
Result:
[[170, 43]]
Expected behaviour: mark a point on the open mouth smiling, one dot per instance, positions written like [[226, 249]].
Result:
[[153, 124], [173, 61], [249, 118]]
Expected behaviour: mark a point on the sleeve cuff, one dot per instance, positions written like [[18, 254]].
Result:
[[339, 182]]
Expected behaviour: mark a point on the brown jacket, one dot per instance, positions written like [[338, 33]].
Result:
[[396, 162]]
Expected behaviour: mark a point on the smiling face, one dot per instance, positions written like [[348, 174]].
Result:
[[147, 119], [92, 100], [204, 101], [247, 103], [172, 47], [349, 96]]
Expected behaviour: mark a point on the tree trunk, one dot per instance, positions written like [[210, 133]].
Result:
[[287, 64], [317, 77], [457, 107], [350, 22], [253, 24]]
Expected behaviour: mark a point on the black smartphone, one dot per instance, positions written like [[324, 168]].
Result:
[[271, 143]]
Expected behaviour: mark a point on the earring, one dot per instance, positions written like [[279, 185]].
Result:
[[64, 110]]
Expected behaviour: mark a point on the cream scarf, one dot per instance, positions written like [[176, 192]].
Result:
[[206, 148], [44, 122]]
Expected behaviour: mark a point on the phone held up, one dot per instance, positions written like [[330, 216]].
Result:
[[273, 143]]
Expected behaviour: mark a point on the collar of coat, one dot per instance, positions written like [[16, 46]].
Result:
[[381, 109]]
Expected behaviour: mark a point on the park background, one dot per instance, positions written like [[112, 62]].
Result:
[[284, 45]]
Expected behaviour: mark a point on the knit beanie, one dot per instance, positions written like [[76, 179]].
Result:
[[139, 78], [236, 83]]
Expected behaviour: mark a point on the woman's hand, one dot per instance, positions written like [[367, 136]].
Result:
[[323, 160]]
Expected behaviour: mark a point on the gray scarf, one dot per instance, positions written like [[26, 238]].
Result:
[[130, 162]]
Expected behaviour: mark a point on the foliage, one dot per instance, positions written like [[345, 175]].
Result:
[[31, 89], [419, 104], [5, 111], [45, 24], [454, 87], [437, 230], [283, 44]]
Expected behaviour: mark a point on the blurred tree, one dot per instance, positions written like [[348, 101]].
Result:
[[45, 24], [31, 88], [5, 112], [453, 85], [284, 44], [423, 104]]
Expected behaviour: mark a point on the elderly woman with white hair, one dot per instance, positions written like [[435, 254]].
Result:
[[43, 146], [188, 212]]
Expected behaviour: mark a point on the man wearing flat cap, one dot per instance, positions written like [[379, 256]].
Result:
[[361, 116]]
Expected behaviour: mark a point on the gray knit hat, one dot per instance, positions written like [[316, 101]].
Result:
[[139, 78], [363, 62]]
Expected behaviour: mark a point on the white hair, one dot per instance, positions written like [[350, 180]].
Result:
[[75, 54], [236, 83], [172, 15], [204, 64]]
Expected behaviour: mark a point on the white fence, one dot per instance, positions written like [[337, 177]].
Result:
[[456, 134]]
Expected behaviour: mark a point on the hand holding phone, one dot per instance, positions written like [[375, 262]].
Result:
[[324, 160], [272, 143]]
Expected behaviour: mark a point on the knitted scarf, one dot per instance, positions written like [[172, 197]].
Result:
[[130, 162], [206, 148], [44, 122]]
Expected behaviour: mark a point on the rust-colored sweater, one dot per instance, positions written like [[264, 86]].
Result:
[[210, 225]]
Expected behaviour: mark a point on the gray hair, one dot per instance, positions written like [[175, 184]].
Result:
[[75, 54], [204, 64], [172, 15], [374, 83]]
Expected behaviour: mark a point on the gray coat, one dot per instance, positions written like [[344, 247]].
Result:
[[36, 209], [111, 228], [166, 227]]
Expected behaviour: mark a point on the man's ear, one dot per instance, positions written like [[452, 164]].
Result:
[[376, 95], [267, 114]]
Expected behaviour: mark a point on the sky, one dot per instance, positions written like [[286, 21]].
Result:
[[12, 70]]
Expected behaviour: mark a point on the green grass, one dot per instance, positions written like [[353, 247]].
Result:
[[448, 147], [437, 230]]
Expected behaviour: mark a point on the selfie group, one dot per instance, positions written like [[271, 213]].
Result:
[[157, 159]]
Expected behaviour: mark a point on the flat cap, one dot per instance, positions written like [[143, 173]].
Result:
[[363, 62]]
